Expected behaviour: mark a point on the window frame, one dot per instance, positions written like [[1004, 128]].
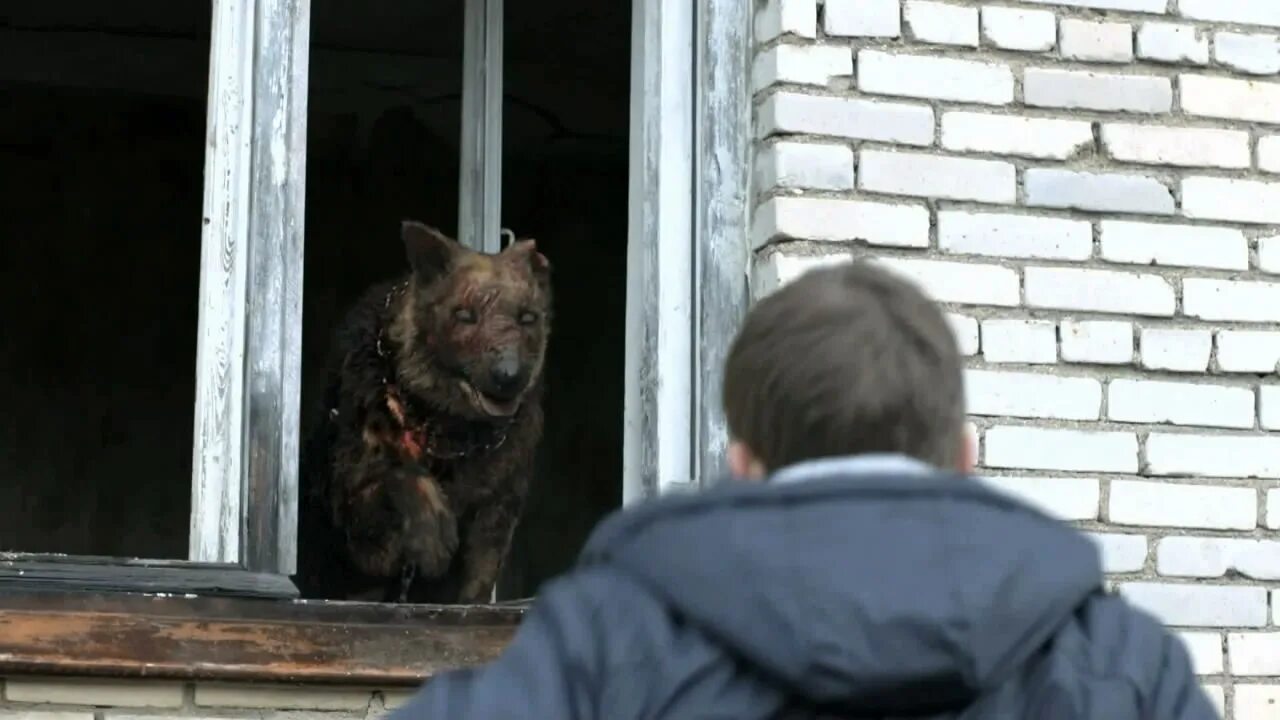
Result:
[[249, 330], [689, 186]]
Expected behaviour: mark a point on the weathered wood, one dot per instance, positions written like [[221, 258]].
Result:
[[274, 341], [659, 396], [220, 345], [480, 161], [723, 187], [76, 575], [244, 640]]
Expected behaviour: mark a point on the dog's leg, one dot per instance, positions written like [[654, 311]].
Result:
[[395, 515], [485, 547]]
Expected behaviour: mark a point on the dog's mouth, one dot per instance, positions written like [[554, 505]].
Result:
[[488, 404]]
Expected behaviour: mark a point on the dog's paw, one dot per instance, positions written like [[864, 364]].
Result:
[[430, 529]]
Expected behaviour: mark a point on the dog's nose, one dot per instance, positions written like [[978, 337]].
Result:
[[505, 375]]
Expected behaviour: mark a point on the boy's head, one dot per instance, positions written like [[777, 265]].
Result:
[[845, 360]]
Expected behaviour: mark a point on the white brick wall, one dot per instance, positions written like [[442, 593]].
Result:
[[37, 698], [1092, 190]]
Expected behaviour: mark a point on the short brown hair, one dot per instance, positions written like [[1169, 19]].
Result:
[[845, 360]]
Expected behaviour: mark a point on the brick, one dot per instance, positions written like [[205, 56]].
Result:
[[1173, 43], [1273, 509], [1098, 291], [1215, 557], [801, 64], [852, 118], [920, 76], [1231, 300], [9, 714], [1006, 235], [1034, 448], [1045, 138], [1175, 349], [1174, 245], [1096, 41], [1185, 605], [777, 269], [1019, 341], [396, 699], [1162, 504], [862, 18], [1149, 6], [1269, 407], [1019, 29], [941, 24], [1214, 455], [1230, 99], [1032, 395], [1179, 403], [781, 17], [1121, 552], [281, 697], [99, 693], [1099, 192], [1254, 654], [956, 282], [1248, 201], [1253, 54], [825, 219], [965, 329], [936, 176], [1255, 702], [1082, 90], [811, 166], [1269, 254], [1104, 342], [1067, 499], [1248, 12], [1217, 699], [1248, 351], [1185, 147], [1205, 649], [1269, 153]]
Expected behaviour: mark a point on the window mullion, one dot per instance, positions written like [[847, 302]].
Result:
[[480, 161]]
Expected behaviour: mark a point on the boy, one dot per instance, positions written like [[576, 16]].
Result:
[[858, 573]]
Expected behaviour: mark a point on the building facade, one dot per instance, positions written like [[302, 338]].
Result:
[[1088, 186]]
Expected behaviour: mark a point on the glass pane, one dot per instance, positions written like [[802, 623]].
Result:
[[383, 133], [102, 118]]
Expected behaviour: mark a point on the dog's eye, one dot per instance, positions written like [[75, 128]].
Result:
[[528, 318], [464, 315]]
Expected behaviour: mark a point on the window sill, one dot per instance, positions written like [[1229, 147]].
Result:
[[235, 639]]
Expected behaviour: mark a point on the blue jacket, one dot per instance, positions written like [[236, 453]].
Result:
[[848, 594]]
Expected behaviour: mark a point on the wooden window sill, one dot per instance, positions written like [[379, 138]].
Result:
[[237, 639]]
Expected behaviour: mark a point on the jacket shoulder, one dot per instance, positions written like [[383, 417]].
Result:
[[1128, 665]]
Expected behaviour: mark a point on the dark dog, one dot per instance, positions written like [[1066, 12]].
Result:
[[414, 481]]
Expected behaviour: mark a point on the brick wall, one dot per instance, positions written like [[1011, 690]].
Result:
[[96, 699], [1086, 185]]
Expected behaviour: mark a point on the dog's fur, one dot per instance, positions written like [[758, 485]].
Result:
[[414, 480]]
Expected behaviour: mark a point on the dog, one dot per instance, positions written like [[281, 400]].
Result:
[[417, 473]]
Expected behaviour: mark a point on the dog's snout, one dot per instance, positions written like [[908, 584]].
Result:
[[505, 375]]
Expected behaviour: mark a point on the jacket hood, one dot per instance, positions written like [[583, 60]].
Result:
[[892, 592]]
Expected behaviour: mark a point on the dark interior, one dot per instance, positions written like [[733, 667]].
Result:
[[102, 121]]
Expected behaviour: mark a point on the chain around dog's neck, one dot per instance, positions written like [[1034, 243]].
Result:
[[437, 434]]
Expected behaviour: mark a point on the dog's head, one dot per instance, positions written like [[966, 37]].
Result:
[[474, 325]]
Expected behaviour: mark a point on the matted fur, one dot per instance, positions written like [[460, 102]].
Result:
[[413, 482]]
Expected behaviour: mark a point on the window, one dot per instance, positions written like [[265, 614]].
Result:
[[275, 120]]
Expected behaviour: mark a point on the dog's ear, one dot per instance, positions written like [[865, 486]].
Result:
[[431, 252], [527, 251]]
